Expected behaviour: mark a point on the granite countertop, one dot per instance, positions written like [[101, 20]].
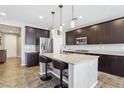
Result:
[[70, 58], [31, 52], [116, 53]]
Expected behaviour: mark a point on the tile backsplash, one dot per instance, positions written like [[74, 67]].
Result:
[[30, 48], [100, 47]]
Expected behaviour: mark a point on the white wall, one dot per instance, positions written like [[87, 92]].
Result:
[[11, 45], [18, 46], [57, 44]]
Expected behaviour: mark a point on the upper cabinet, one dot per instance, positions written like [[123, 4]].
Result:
[[111, 32], [71, 38], [117, 31], [102, 33], [32, 35]]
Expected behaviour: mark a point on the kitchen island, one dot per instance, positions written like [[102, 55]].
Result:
[[82, 69]]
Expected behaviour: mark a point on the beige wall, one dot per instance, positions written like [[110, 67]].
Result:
[[2, 41], [18, 46]]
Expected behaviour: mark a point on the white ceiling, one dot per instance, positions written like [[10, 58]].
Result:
[[91, 14]]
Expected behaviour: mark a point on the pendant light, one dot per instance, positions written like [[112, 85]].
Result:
[[53, 30], [60, 26], [73, 19]]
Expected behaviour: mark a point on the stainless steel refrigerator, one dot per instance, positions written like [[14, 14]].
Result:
[[46, 45]]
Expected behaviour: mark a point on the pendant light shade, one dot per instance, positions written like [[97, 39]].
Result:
[[60, 26], [73, 19], [72, 24], [53, 30]]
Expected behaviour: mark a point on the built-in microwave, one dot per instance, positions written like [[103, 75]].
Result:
[[81, 40]]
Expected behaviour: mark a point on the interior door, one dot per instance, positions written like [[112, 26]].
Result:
[[10, 45]]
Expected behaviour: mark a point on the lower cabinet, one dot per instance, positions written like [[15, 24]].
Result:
[[32, 59], [2, 56], [111, 64], [103, 63]]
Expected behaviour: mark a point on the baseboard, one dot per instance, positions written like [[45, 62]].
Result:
[[94, 85], [44, 73], [23, 65]]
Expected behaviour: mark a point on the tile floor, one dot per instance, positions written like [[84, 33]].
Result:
[[12, 75]]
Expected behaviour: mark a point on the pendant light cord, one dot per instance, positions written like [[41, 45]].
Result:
[[72, 12], [53, 19], [60, 6]]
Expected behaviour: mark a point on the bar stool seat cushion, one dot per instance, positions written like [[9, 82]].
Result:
[[44, 59]]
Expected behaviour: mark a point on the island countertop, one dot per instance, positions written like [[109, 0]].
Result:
[[70, 58]]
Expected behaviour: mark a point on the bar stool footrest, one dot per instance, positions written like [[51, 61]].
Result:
[[45, 78], [59, 86]]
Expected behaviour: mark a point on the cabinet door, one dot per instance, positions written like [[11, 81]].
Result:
[[117, 65], [102, 33], [89, 33], [71, 38], [30, 36], [117, 31], [104, 63], [32, 59]]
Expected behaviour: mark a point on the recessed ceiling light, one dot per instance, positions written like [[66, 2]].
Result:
[[80, 17], [2, 13], [41, 17]]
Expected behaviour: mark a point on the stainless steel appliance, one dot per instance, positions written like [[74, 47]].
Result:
[[81, 40], [45, 45]]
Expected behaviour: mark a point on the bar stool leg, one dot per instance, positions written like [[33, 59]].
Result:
[[46, 76], [61, 77], [61, 85]]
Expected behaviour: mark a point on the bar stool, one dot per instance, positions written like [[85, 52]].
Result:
[[61, 66], [45, 60]]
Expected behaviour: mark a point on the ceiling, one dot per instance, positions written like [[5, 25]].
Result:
[[91, 14], [10, 29]]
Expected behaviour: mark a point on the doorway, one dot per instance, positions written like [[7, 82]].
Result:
[[10, 45], [11, 40]]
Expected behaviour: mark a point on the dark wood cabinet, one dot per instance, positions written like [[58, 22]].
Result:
[[103, 63], [2, 56], [72, 35], [111, 64], [71, 38], [110, 32], [32, 35], [117, 31], [88, 32], [102, 33], [117, 65], [32, 59]]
